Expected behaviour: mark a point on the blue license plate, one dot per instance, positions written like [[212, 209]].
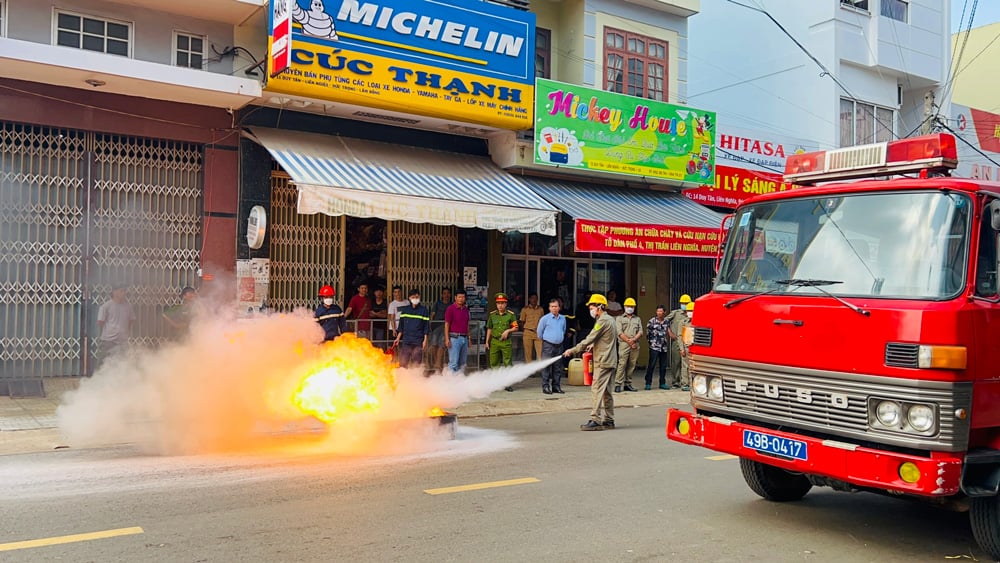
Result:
[[784, 447]]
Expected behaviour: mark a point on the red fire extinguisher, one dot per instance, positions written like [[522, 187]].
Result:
[[588, 368]]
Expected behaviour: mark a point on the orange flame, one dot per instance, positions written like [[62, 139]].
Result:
[[346, 381], [436, 411]]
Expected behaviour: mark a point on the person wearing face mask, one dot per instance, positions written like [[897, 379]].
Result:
[[412, 331], [603, 342], [629, 334], [329, 315]]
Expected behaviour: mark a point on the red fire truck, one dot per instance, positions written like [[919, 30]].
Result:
[[852, 337]]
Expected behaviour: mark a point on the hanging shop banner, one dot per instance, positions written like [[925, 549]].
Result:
[[591, 129], [650, 240], [733, 185], [463, 61], [979, 144], [281, 36]]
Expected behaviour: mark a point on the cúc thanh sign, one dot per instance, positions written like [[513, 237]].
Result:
[[459, 60], [590, 129]]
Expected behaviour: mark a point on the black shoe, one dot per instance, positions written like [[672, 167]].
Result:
[[618, 388], [591, 425], [546, 389], [508, 389], [630, 388], [608, 425], [558, 390]]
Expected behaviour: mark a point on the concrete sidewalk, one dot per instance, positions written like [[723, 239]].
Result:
[[28, 424]]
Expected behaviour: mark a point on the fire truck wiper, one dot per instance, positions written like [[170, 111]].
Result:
[[738, 300], [818, 284]]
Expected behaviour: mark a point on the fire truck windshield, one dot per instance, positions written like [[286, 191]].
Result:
[[910, 245]]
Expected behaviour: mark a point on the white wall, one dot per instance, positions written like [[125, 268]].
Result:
[[744, 67], [32, 20]]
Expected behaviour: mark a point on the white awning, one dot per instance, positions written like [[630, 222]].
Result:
[[346, 176]]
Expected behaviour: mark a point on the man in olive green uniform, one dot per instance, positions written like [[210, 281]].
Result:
[[499, 326], [686, 337], [629, 333], [603, 342], [675, 322]]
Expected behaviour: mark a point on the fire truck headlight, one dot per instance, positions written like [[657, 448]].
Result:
[[888, 414], [920, 417], [699, 384], [715, 388]]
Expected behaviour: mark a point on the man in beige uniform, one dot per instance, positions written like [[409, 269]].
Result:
[[629, 333], [603, 342], [530, 315]]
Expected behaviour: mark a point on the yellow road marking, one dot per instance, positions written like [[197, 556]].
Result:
[[721, 457], [478, 486], [70, 539]]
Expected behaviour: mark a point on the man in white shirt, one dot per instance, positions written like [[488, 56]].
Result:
[[395, 305]]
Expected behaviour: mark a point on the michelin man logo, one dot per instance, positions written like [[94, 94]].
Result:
[[560, 146], [316, 22]]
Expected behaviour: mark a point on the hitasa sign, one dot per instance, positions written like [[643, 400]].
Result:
[[651, 240]]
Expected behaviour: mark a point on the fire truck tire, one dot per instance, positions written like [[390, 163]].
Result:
[[772, 483], [984, 516]]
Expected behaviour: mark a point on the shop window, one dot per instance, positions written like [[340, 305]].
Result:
[[567, 233], [543, 53], [895, 9], [93, 34], [635, 64], [365, 255], [543, 245], [189, 50], [513, 242], [862, 123]]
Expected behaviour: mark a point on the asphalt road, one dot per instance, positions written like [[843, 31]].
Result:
[[621, 495]]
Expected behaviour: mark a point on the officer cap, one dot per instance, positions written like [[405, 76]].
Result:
[[501, 298]]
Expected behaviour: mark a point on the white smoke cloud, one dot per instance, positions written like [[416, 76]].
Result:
[[228, 387]]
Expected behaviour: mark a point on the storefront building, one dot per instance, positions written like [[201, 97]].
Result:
[[118, 165]]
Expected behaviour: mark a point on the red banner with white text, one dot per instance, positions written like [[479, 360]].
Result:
[[733, 185], [650, 240]]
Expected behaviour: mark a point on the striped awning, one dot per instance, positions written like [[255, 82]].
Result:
[[625, 205], [346, 176]]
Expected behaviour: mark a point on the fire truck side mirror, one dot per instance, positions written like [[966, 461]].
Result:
[[994, 207]]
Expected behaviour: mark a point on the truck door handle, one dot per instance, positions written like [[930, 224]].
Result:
[[788, 322]]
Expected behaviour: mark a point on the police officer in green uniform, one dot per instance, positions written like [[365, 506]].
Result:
[[499, 325]]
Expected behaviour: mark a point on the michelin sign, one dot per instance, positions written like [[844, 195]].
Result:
[[453, 59]]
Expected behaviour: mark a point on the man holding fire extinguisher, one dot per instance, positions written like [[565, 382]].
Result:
[[603, 342]]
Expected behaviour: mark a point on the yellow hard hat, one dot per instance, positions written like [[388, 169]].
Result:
[[598, 299], [685, 298], [690, 306], [629, 302]]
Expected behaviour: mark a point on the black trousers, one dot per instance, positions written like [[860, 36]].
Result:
[[552, 374], [664, 359]]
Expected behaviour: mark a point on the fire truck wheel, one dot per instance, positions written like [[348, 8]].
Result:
[[772, 483], [984, 516]]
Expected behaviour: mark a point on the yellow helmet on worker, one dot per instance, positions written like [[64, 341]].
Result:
[[597, 299], [685, 298], [629, 302], [690, 306]]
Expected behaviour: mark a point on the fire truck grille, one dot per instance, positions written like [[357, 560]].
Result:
[[833, 403]]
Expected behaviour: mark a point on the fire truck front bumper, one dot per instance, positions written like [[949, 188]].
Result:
[[934, 476]]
